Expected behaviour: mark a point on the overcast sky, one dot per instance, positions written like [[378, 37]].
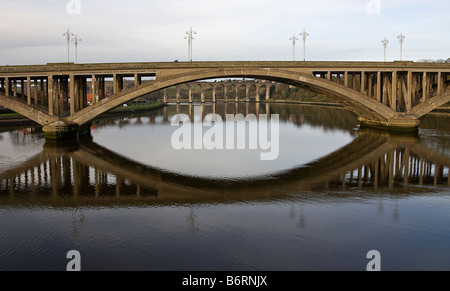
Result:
[[31, 32]]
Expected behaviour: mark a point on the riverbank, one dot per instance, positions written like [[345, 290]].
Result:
[[319, 103]]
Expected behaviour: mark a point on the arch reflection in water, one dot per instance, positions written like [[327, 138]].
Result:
[[88, 173]]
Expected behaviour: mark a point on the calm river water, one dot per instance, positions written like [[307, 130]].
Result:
[[127, 200]]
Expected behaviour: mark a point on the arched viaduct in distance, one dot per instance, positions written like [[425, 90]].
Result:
[[391, 95]]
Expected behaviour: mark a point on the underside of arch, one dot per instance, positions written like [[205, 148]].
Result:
[[355, 101], [431, 104], [29, 112]]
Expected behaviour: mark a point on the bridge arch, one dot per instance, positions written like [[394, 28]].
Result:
[[23, 109], [355, 101]]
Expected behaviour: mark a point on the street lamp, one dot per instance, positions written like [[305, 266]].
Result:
[[304, 34], [76, 40], [385, 43], [401, 38], [189, 37], [67, 35], [293, 38]]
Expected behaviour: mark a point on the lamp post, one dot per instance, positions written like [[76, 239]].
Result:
[[293, 38], [385, 43], [304, 34], [67, 34], [189, 36], [401, 38], [76, 40]]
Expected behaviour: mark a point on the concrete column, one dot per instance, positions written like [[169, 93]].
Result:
[[75, 100], [203, 93], [354, 81], [379, 86], [6, 86], [394, 91], [346, 79], [57, 95], [190, 93], [329, 76], [97, 88], [80, 93], [115, 84], [247, 90], [44, 91], [15, 88], [408, 99], [136, 80], [93, 89], [225, 93], [267, 92], [165, 95], [36, 91], [370, 85], [257, 93], [439, 83], [28, 90], [50, 88], [236, 97], [83, 96], [72, 94], [363, 82], [178, 94], [214, 94], [65, 94], [101, 88]]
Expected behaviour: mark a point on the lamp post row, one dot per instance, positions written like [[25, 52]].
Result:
[[75, 39], [190, 33]]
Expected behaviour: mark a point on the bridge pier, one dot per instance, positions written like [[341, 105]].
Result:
[[60, 130], [399, 124]]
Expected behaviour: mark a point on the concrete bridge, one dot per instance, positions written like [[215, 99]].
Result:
[[87, 173], [392, 95], [256, 91]]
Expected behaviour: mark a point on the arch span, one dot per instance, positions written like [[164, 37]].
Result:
[[26, 110], [361, 104]]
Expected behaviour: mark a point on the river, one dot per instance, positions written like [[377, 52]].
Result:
[[126, 199]]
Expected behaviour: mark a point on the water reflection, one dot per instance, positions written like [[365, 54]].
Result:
[[89, 173], [124, 214], [303, 138]]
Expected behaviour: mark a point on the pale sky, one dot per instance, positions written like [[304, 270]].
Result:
[[31, 32]]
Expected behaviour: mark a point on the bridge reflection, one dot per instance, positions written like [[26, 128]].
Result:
[[327, 117], [89, 174]]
